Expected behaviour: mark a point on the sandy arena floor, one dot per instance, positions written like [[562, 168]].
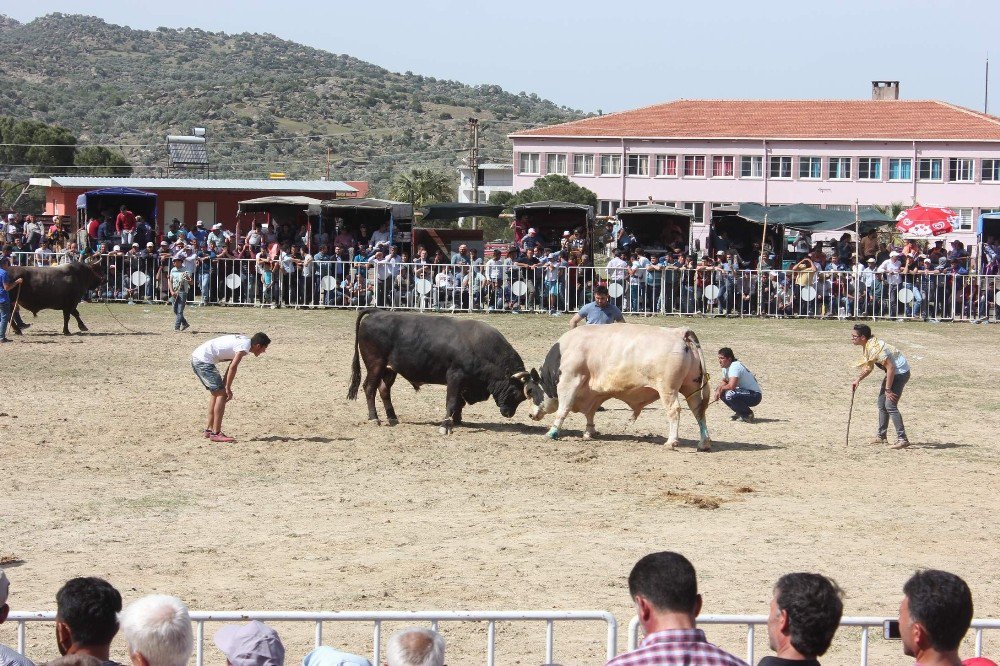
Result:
[[105, 473]]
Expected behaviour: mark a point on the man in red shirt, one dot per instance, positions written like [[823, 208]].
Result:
[[125, 225], [92, 227], [664, 588]]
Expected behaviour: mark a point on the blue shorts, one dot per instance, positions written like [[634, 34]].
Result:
[[209, 375], [553, 288]]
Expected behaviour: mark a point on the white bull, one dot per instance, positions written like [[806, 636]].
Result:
[[630, 362]]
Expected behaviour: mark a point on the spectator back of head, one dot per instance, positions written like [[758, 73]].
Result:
[[941, 602], [415, 647], [89, 608], [158, 628], [667, 580], [814, 606]]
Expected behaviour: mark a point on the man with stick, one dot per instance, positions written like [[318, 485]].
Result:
[[897, 373], [5, 304], [230, 348]]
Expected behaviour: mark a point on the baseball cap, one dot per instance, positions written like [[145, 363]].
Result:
[[871, 260], [251, 644], [163, 243], [531, 230], [116, 248], [720, 252], [199, 223], [328, 656], [150, 244], [565, 233], [216, 226], [894, 254], [177, 257], [135, 245]]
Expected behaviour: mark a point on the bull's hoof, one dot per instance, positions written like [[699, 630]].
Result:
[[445, 430], [66, 332], [589, 434], [673, 444], [84, 329], [374, 422], [553, 433], [705, 446], [392, 422]]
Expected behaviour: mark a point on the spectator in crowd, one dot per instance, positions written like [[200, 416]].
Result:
[[74, 660], [8, 657], [87, 618], [664, 588], [179, 284], [325, 655], [878, 353], [531, 240], [738, 389], [805, 613], [125, 225], [415, 647], [599, 311], [461, 258], [157, 629], [934, 616], [250, 644], [200, 235], [230, 348]]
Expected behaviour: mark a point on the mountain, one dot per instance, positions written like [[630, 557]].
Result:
[[268, 104]]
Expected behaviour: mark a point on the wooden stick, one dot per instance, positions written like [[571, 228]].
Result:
[[850, 412]]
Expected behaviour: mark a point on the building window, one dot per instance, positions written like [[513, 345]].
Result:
[[840, 168], [960, 170], [839, 207], [929, 168], [583, 165], [555, 163], [870, 168], [638, 165], [810, 167], [645, 202], [611, 165], [781, 166], [607, 207], [666, 165], [964, 218], [900, 168], [991, 170], [698, 208], [722, 166], [751, 166], [529, 163], [694, 166]]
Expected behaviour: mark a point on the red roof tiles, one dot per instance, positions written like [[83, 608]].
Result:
[[775, 119]]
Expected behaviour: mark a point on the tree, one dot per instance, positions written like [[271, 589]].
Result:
[[553, 187], [101, 162], [421, 187], [36, 147]]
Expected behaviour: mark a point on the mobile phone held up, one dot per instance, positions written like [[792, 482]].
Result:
[[890, 629]]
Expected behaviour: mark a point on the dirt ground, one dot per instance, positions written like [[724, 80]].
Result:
[[105, 473]]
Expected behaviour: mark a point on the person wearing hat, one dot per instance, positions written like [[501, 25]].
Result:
[[325, 655], [250, 644], [531, 240], [8, 657], [180, 283], [215, 236], [199, 236]]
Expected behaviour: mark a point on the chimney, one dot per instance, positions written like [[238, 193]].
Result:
[[885, 90]]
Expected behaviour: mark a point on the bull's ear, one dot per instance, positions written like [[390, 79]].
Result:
[[534, 375]]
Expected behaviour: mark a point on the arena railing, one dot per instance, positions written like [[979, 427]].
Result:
[[559, 289], [376, 618], [751, 622]]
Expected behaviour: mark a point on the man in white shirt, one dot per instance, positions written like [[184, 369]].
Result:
[[738, 389], [617, 268], [230, 348], [381, 235], [44, 254], [891, 268]]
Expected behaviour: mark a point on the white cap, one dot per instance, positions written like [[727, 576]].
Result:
[[117, 248], [217, 225], [531, 230], [199, 223], [894, 254], [565, 233]]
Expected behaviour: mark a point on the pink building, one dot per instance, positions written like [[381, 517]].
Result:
[[697, 154]]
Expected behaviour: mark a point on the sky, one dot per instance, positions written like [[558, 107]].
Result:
[[616, 55]]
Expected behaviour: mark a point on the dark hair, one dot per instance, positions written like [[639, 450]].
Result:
[[89, 607], [727, 353], [667, 580], [814, 605], [863, 330], [942, 603], [601, 290], [260, 339]]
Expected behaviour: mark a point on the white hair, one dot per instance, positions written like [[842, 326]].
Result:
[[159, 628], [415, 647]]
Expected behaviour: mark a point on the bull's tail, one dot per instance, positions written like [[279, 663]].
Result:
[[704, 387], [352, 390]]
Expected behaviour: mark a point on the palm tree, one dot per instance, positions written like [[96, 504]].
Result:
[[421, 187]]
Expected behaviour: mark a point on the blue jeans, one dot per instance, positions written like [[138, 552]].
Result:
[[741, 400], [5, 309], [180, 300]]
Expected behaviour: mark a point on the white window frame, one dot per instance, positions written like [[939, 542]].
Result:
[[638, 165], [838, 162], [695, 160], [782, 161], [811, 161], [732, 166], [900, 160], [965, 166], [661, 166], [870, 161], [536, 158], [756, 163], [930, 163], [549, 157], [584, 157], [613, 160], [964, 222]]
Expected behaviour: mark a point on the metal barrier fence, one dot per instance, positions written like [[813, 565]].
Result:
[[199, 618], [752, 621], [556, 288]]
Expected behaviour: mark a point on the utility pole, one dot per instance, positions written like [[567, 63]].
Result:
[[474, 163]]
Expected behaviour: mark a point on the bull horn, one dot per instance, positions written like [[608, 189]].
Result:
[[521, 375]]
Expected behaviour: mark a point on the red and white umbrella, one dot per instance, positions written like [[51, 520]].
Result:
[[925, 221]]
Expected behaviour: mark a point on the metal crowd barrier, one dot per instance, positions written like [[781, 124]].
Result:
[[752, 621], [558, 289], [434, 618]]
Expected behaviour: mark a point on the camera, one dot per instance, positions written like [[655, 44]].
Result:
[[890, 629]]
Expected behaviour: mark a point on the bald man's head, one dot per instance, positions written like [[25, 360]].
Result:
[[415, 647]]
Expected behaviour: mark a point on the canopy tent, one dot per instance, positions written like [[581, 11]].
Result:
[[109, 199], [264, 204], [552, 218], [352, 214], [456, 210], [803, 217], [988, 225], [656, 227]]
